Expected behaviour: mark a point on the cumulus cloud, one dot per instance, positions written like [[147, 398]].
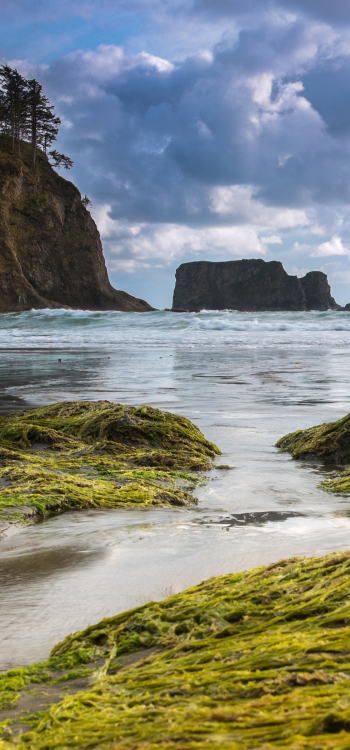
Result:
[[273, 239], [239, 201], [334, 246], [165, 244], [186, 142]]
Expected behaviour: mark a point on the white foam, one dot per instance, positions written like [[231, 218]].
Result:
[[83, 328]]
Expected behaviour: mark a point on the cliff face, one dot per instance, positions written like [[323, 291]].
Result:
[[249, 285], [50, 249]]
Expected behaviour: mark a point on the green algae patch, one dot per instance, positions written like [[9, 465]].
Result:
[[339, 483], [81, 454], [329, 441], [254, 659]]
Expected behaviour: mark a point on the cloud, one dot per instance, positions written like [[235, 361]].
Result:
[[299, 271], [337, 272], [333, 247], [48, 10], [337, 11], [184, 142], [238, 201], [273, 239], [168, 243], [341, 277]]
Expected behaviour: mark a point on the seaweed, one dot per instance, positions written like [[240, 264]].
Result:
[[253, 659], [81, 454], [328, 441]]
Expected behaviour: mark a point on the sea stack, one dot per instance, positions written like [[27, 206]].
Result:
[[249, 286], [50, 248]]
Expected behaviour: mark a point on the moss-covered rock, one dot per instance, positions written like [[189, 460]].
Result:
[[329, 441], [81, 454], [247, 660]]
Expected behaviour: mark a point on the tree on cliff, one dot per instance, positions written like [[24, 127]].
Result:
[[61, 160], [43, 123], [26, 114], [14, 103]]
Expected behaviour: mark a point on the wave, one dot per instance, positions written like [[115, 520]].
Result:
[[102, 329]]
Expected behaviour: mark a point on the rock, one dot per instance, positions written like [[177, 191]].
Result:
[[147, 446], [50, 249], [318, 292], [248, 285]]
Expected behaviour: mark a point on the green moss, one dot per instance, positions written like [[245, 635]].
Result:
[[80, 454], [339, 483], [255, 659], [329, 441]]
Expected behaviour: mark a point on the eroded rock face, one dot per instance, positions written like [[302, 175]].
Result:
[[318, 292], [249, 285], [50, 249]]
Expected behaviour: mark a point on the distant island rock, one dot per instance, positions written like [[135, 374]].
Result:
[[50, 248], [249, 286]]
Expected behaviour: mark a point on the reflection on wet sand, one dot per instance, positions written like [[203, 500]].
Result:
[[254, 519], [40, 564]]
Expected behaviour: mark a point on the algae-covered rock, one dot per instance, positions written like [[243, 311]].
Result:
[[329, 441], [247, 660], [81, 454]]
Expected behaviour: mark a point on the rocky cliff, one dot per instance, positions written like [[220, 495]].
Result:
[[249, 285], [50, 249]]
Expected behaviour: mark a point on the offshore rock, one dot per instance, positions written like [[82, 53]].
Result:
[[249, 285], [50, 249]]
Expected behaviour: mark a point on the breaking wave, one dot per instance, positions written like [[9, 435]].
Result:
[[80, 328]]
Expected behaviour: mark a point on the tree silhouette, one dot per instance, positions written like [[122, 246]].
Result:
[[26, 114], [86, 201], [14, 104], [61, 160]]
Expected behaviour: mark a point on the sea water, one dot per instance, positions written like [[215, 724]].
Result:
[[245, 379]]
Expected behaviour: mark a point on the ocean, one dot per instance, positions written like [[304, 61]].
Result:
[[245, 379]]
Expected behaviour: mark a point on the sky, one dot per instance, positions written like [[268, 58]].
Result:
[[199, 129]]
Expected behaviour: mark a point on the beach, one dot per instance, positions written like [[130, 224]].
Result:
[[245, 380]]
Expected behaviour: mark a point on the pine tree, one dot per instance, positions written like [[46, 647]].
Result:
[[48, 129], [26, 114], [61, 160], [36, 106], [14, 104]]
